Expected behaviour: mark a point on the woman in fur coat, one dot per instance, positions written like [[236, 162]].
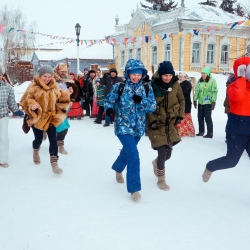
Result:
[[45, 106], [162, 130]]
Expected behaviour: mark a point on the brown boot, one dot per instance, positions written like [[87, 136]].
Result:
[[4, 165], [119, 177], [206, 175], [44, 135], [36, 157], [161, 183], [154, 162], [61, 147], [54, 165], [136, 196]]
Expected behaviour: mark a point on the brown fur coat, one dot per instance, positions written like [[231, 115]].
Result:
[[52, 104]]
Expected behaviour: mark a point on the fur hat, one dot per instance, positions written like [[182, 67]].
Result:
[[113, 70], [166, 67], [62, 67], [1, 71], [45, 69]]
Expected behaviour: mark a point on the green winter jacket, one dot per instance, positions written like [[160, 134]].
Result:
[[206, 92]]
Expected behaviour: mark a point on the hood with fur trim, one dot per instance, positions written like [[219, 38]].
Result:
[[242, 61]]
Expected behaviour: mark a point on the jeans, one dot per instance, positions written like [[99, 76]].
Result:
[[51, 132], [129, 156], [205, 112]]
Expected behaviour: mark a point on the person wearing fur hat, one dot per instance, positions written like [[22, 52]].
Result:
[[7, 101], [111, 79], [238, 123], [76, 108], [206, 95], [131, 108], [186, 127], [45, 106], [64, 82], [161, 124]]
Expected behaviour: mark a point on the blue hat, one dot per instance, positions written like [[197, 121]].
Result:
[[135, 71], [166, 67]]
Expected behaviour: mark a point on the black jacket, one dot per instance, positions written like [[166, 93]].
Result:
[[186, 87], [109, 82]]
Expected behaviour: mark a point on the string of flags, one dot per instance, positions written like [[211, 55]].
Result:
[[141, 39]]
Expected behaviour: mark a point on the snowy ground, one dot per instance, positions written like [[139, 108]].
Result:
[[85, 209]]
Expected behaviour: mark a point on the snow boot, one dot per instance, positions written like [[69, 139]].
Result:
[[206, 175], [154, 162], [44, 135], [61, 147], [36, 157], [54, 165], [136, 196], [119, 177], [161, 183], [4, 165]]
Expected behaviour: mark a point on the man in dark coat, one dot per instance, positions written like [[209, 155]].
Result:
[[109, 81]]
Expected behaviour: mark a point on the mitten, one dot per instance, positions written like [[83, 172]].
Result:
[[178, 120], [212, 105], [153, 125], [241, 72], [18, 113], [137, 98], [195, 104], [109, 111]]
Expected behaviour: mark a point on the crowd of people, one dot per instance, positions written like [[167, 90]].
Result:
[[160, 106]]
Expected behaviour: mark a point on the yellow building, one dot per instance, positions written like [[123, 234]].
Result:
[[215, 46]]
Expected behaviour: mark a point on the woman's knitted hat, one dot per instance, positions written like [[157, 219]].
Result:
[[45, 69], [166, 67]]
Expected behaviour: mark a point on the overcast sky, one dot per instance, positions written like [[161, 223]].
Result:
[[97, 17]]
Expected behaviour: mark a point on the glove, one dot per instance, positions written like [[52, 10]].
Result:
[[153, 125], [241, 72], [178, 120], [195, 104], [109, 111], [18, 113], [212, 105], [137, 98]]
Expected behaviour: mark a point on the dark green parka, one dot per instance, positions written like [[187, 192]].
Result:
[[170, 105]]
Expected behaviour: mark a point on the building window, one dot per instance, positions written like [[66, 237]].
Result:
[[196, 53], [210, 53], [224, 54], [130, 54], [138, 54], [122, 59], [167, 55], [154, 55]]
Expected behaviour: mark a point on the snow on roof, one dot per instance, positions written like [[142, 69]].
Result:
[[102, 51]]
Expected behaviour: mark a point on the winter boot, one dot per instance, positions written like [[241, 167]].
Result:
[[36, 157], [54, 165], [154, 162], [61, 147], [44, 135], [4, 165], [136, 196], [161, 180], [206, 175], [119, 177]]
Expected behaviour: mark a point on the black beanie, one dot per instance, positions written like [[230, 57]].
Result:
[[166, 67], [113, 70]]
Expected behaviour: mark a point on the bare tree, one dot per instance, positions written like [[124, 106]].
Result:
[[10, 39], [209, 3], [164, 6]]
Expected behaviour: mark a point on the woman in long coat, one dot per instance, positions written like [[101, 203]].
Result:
[[45, 106], [162, 130]]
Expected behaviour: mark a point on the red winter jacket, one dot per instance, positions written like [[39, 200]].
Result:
[[239, 91]]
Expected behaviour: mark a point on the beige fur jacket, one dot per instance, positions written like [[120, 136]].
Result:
[[52, 104]]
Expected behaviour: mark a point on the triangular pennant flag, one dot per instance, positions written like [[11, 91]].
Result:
[[234, 24], [164, 36], [247, 23], [146, 39], [11, 29], [1, 28]]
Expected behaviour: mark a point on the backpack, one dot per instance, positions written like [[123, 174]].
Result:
[[122, 85]]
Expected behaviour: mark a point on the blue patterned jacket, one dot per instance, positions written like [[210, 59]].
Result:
[[130, 118]]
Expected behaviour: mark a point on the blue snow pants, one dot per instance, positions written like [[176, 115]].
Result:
[[129, 156], [236, 144]]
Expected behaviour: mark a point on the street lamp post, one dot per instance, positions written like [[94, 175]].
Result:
[[78, 29]]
